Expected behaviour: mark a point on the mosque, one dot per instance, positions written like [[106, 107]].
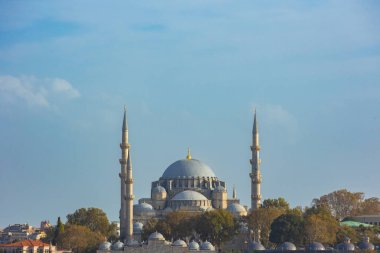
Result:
[[187, 185]]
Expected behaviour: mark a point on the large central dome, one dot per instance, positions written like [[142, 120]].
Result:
[[188, 168]]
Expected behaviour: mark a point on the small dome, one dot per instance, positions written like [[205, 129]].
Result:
[[315, 246], [105, 246], [189, 195], [158, 189], [143, 209], [133, 243], [346, 245], [255, 246], [207, 246], [118, 246], [366, 245], [137, 227], [179, 243], [188, 168], [219, 188], [286, 246], [237, 209], [193, 245], [156, 236]]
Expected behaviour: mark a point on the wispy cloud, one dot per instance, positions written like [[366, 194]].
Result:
[[34, 91], [278, 117]]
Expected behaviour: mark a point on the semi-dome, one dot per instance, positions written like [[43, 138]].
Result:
[[207, 246], [315, 246], [193, 245], [189, 195], [118, 246], [143, 209], [286, 246], [237, 209], [188, 168], [156, 236], [255, 246], [137, 227], [105, 246], [179, 243], [366, 245]]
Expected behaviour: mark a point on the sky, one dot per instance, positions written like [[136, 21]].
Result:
[[191, 74]]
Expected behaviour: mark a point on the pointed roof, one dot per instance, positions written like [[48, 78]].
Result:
[[255, 125], [125, 125], [234, 192]]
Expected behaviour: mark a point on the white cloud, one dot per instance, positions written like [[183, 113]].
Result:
[[277, 116], [64, 87], [34, 91]]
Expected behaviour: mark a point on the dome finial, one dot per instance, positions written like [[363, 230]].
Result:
[[188, 157]]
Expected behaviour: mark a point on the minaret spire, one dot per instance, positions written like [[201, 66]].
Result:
[[255, 161], [124, 146], [234, 196]]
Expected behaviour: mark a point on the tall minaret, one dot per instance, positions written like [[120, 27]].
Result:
[[255, 165], [124, 146], [129, 199]]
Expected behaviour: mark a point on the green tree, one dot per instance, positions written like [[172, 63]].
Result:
[[287, 227], [93, 218], [276, 203], [260, 220], [80, 239], [216, 226], [59, 229], [320, 226]]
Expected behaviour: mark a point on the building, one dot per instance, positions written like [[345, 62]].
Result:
[[30, 246], [187, 185], [368, 219]]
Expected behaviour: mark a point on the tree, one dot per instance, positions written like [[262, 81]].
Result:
[[260, 220], [80, 239], [287, 227], [59, 229], [94, 219], [149, 228], [369, 206], [341, 203], [276, 203], [216, 226], [320, 226]]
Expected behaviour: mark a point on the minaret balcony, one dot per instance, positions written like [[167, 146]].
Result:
[[129, 181], [129, 197], [124, 145], [255, 148], [122, 161]]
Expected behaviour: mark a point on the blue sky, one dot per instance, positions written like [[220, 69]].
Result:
[[191, 73]]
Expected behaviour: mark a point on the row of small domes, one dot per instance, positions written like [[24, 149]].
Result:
[[156, 236], [316, 246]]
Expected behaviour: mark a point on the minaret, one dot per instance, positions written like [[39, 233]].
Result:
[[129, 199], [124, 146], [255, 165], [234, 196]]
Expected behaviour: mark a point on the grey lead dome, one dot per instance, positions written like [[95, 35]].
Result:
[[188, 168]]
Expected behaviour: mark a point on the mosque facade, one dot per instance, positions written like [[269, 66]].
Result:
[[187, 185]]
